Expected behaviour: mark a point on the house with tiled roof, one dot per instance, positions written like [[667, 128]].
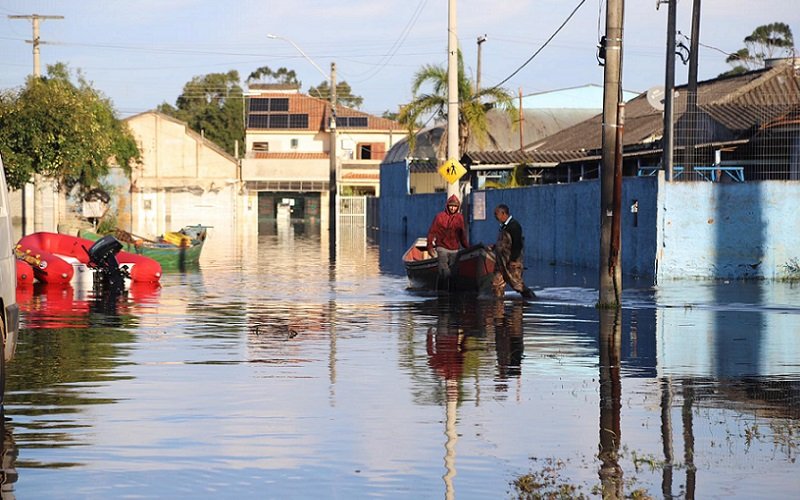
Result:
[[288, 144], [743, 127]]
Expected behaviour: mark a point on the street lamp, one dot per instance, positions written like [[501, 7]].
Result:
[[333, 190]]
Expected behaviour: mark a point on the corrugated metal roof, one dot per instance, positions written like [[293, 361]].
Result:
[[737, 104], [504, 135]]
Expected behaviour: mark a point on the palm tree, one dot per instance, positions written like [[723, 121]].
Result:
[[473, 105]]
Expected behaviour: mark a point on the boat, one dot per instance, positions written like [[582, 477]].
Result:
[[56, 258], [472, 272], [173, 250]]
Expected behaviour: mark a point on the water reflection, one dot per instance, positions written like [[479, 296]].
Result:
[[610, 404], [274, 371], [461, 330]]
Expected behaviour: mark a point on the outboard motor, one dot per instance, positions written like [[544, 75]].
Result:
[[103, 259]]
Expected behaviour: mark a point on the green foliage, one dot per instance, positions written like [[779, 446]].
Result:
[[518, 177], [281, 75], [766, 42], [107, 224], [472, 106], [62, 130], [391, 115], [344, 94], [213, 105]]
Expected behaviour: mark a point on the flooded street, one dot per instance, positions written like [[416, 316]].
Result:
[[268, 373]]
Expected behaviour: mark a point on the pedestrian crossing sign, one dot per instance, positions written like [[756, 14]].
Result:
[[452, 170]]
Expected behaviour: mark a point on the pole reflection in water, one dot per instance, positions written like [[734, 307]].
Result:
[[610, 403], [463, 325]]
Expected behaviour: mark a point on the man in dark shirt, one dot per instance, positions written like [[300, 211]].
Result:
[[509, 255]]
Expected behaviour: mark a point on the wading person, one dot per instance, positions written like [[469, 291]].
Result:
[[447, 235], [508, 255]]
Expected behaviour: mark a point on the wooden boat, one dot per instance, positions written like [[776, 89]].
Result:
[[61, 258], [473, 271], [173, 250]]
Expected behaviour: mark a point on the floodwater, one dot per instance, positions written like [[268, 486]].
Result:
[[268, 373]]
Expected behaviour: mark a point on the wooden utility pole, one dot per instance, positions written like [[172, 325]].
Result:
[[667, 139], [452, 93], [38, 180], [333, 188], [610, 269]]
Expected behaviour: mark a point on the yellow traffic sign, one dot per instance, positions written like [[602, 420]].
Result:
[[452, 170]]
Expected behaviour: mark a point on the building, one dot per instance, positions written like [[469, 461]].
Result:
[[287, 151], [183, 179], [739, 144]]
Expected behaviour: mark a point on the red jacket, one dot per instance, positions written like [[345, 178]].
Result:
[[447, 229]]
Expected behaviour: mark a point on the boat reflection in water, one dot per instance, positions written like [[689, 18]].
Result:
[[52, 306]]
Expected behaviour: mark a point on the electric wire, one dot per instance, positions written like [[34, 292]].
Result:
[[569, 17]]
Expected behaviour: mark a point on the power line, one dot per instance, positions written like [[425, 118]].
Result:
[[509, 77]]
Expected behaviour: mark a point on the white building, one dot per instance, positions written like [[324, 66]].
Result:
[[288, 143]]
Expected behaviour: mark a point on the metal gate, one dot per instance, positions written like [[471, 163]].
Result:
[[353, 209]]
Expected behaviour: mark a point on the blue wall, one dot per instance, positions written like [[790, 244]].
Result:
[[729, 230], [560, 221], [682, 229]]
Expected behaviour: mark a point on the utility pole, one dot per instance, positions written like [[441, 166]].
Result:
[[35, 18], [521, 123], [481, 39], [610, 269], [667, 139], [691, 90], [333, 188], [452, 93], [38, 197]]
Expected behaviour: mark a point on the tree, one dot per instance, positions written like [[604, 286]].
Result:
[[766, 42], [281, 75], [472, 106], [61, 130], [213, 105], [344, 94]]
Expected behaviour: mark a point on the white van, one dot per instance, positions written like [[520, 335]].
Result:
[[9, 311]]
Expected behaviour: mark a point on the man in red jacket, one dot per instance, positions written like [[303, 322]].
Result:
[[446, 235]]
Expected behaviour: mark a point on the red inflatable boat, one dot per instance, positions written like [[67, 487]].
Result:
[[55, 257]]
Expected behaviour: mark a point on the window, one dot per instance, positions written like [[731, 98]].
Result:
[[294, 143], [298, 121], [264, 105], [365, 151], [279, 121], [281, 104], [352, 121], [260, 146]]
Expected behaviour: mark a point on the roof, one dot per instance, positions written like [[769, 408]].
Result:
[[198, 137], [318, 111], [735, 105], [503, 135]]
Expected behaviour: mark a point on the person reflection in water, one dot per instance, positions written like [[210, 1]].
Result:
[[508, 253], [446, 234]]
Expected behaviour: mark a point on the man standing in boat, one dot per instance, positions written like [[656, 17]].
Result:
[[447, 235], [509, 255]]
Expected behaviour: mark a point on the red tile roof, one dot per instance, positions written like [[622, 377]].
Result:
[[264, 155]]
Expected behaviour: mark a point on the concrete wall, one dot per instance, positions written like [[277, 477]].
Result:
[[560, 222], [729, 230], [681, 230]]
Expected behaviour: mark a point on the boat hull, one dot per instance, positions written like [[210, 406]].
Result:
[[60, 258], [473, 270], [168, 255]]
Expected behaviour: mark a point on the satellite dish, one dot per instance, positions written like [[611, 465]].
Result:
[[655, 97]]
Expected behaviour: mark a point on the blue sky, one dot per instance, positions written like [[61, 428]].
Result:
[[141, 53]]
